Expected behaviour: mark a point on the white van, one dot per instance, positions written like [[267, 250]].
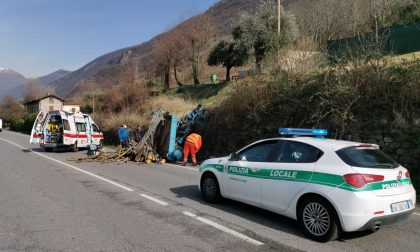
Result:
[[1, 125], [61, 129]]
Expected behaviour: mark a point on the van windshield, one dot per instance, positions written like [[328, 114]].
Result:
[[366, 158]]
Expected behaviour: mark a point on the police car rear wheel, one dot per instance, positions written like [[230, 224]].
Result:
[[210, 188], [318, 219]]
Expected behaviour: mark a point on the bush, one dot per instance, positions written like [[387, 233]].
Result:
[[352, 103], [24, 124]]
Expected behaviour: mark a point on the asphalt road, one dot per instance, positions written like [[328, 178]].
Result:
[[50, 204]]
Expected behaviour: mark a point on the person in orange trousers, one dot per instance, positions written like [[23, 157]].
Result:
[[192, 145]]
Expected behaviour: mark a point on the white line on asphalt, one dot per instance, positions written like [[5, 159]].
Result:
[[163, 203], [417, 214], [73, 167], [183, 167], [224, 229]]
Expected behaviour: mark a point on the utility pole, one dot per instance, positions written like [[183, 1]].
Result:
[[278, 28], [93, 81], [278, 16]]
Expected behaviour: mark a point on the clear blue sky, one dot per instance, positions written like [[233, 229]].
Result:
[[38, 37]]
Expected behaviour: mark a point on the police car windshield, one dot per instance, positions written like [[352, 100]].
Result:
[[366, 158]]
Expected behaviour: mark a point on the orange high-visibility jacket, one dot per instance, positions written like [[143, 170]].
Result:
[[195, 139]]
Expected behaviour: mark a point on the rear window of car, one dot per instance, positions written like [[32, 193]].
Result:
[[366, 158]]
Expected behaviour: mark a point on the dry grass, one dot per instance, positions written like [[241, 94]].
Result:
[[174, 105], [141, 117], [402, 58], [110, 121]]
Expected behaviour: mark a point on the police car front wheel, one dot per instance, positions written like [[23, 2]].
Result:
[[318, 219], [210, 188]]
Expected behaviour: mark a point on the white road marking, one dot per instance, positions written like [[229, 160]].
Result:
[[415, 213], [73, 167], [183, 167], [223, 228], [163, 203]]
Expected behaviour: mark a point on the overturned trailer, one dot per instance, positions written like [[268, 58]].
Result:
[[163, 140], [167, 133]]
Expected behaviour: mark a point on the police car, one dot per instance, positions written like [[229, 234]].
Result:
[[328, 186]]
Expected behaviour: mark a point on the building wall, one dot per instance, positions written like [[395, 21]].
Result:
[[51, 103], [32, 108], [71, 108]]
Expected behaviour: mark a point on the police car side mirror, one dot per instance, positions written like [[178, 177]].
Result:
[[233, 157]]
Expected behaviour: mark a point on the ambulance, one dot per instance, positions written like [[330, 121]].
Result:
[[61, 129]]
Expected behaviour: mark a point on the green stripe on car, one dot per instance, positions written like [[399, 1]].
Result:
[[326, 179]]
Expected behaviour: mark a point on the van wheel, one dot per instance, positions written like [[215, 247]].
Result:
[[74, 147], [48, 149], [318, 219], [210, 188]]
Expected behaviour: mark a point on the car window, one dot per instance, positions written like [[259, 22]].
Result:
[[66, 125], [366, 157], [95, 128], [258, 153], [81, 127], [297, 152]]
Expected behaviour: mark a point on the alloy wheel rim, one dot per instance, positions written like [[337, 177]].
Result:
[[209, 187], [316, 219]]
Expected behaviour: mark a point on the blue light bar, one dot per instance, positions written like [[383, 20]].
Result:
[[303, 132]]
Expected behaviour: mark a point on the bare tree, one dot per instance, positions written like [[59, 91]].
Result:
[[35, 90], [11, 109], [198, 32]]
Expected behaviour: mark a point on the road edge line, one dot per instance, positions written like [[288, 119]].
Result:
[[73, 167], [160, 202], [223, 228]]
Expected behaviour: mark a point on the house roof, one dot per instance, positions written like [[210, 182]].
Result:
[[44, 97]]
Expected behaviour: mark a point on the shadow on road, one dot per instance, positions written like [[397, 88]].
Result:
[[56, 150], [254, 214]]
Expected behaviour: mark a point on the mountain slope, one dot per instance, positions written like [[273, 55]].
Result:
[[9, 79], [47, 79], [224, 13], [18, 91]]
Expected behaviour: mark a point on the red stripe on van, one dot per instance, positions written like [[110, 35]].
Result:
[[69, 135]]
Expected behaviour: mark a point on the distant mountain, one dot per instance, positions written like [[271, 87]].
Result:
[[67, 85], [9, 79], [224, 13], [47, 79], [17, 91]]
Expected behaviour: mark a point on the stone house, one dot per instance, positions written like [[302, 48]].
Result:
[[49, 102], [71, 107]]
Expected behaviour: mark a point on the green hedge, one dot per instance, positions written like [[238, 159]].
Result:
[[24, 124]]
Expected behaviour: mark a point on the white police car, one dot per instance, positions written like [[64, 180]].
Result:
[[329, 186]]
